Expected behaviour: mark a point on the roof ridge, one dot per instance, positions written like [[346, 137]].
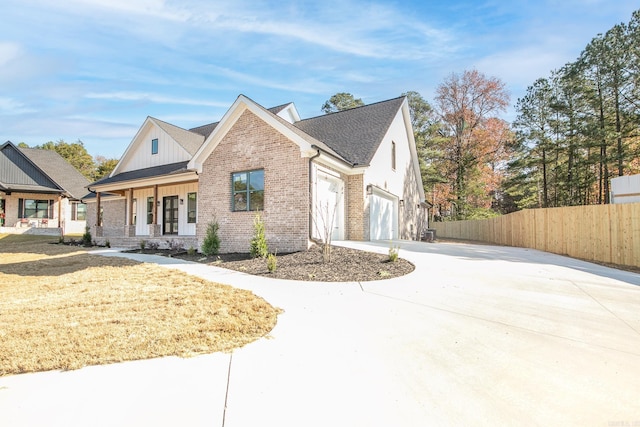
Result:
[[355, 108]]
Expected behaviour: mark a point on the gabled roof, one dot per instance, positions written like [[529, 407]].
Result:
[[189, 140], [36, 170], [243, 103], [59, 170], [354, 134]]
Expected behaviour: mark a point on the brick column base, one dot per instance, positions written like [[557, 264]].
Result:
[[129, 231], [155, 230]]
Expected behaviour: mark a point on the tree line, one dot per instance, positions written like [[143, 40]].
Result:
[[579, 127], [93, 168]]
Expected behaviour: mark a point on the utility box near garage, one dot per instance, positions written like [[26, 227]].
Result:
[[625, 189]]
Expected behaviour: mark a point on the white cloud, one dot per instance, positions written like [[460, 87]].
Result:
[[11, 106], [159, 99], [8, 53]]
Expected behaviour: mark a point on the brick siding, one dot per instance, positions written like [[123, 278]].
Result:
[[253, 144]]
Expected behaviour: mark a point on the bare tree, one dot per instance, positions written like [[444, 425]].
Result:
[[323, 221]]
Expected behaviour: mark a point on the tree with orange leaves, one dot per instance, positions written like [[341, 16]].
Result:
[[472, 143]]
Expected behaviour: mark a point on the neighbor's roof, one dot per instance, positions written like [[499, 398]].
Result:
[[59, 170], [36, 170], [355, 134]]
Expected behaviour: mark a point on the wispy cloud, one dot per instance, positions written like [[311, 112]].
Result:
[[148, 97]]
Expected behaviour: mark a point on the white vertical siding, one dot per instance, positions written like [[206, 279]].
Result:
[[180, 190], [169, 151]]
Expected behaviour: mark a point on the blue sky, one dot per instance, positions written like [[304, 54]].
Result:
[[95, 69]]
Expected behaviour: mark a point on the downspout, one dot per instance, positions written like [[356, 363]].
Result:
[[315, 156]]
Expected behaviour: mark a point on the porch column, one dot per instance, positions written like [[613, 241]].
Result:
[[99, 231], [154, 228], [60, 223], [130, 228]]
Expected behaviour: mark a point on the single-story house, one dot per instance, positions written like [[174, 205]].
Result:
[[352, 174], [40, 192]]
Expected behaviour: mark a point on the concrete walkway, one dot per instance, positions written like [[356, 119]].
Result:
[[477, 335]]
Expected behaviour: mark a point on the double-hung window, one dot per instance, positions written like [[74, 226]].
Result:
[[248, 190]]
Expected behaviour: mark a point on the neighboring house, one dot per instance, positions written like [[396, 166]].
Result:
[[358, 167], [625, 189], [40, 190]]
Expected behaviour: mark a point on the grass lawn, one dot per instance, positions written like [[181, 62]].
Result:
[[61, 308]]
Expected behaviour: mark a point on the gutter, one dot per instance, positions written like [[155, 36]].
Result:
[[315, 156]]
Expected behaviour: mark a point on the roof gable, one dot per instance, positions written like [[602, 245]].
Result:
[[18, 172], [177, 145], [354, 134], [59, 170], [307, 143]]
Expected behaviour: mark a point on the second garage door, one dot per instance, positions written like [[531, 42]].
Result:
[[383, 217]]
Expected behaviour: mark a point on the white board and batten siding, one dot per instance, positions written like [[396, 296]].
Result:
[[181, 190], [625, 189], [169, 151], [388, 183]]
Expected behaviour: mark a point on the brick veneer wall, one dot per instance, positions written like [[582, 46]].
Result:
[[253, 144], [112, 217], [355, 207]]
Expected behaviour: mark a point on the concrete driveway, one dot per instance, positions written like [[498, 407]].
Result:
[[477, 335]]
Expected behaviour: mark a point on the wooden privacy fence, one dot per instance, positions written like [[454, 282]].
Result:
[[605, 233]]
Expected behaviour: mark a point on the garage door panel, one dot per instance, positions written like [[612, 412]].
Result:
[[382, 218]]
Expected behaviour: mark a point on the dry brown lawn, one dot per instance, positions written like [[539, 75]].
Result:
[[61, 308]]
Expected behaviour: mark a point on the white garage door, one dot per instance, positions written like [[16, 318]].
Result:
[[383, 217], [329, 211]]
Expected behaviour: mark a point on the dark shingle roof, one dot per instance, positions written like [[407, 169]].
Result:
[[205, 130], [59, 170], [355, 134], [154, 171], [19, 173], [278, 108]]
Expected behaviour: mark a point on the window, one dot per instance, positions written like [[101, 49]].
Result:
[[154, 146], [134, 211], [149, 210], [192, 203], [28, 208], [393, 155], [248, 191], [78, 211]]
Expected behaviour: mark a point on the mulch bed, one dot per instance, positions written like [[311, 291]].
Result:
[[346, 265]]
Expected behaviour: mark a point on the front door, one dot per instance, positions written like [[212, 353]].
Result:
[[170, 215]]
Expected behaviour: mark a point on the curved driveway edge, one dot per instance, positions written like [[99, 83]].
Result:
[[476, 335]]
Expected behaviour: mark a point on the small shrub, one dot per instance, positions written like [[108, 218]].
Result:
[[86, 237], [153, 245], [191, 251], [384, 274], [272, 263], [107, 243], [174, 245], [61, 240], [211, 243], [258, 247], [143, 245], [394, 251]]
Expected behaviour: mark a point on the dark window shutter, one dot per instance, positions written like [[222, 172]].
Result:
[[20, 208]]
